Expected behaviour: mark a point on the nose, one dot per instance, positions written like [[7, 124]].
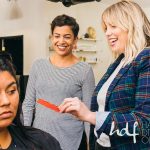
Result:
[[108, 31], [61, 39], [4, 99]]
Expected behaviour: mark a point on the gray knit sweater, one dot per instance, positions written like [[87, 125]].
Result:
[[53, 84]]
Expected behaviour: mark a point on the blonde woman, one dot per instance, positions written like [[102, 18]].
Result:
[[120, 110]]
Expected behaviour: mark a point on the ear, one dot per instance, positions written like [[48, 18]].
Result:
[[75, 40], [50, 37], [51, 46], [75, 43]]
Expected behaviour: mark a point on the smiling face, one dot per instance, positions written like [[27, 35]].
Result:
[[63, 40], [116, 37], [9, 99]]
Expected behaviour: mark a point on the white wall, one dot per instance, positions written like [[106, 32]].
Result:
[[35, 26], [30, 25], [87, 14]]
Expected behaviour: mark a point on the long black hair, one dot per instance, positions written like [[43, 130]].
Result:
[[6, 64]]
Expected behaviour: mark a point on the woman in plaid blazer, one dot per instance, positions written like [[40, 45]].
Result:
[[120, 109]]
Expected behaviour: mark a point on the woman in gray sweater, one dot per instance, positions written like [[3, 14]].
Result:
[[60, 76]]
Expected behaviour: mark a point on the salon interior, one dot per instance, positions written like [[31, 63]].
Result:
[[25, 30]]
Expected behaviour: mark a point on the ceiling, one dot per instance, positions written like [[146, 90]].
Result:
[[142, 3]]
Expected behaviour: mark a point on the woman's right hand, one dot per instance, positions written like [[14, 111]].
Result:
[[77, 108]]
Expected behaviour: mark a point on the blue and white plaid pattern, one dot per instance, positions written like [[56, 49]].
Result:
[[128, 100]]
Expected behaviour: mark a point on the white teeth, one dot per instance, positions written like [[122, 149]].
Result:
[[61, 47], [113, 41]]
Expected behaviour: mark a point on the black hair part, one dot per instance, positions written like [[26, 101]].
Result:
[[63, 20], [7, 65]]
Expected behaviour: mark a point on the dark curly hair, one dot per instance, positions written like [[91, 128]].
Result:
[[63, 20]]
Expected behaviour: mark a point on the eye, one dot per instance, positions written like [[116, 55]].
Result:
[[56, 36], [11, 92], [105, 29], [67, 37], [113, 26]]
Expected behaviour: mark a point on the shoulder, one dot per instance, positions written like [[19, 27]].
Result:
[[38, 63], [32, 136], [142, 60], [84, 63], [84, 66], [43, 138], [80, 68], [144, 54], [86, 70]]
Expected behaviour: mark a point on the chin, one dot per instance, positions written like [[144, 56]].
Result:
[[115, 50], [5, 123], [62, 54]]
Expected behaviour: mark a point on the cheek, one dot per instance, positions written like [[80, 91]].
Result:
[[15, 103], [53, 42], [124, 40], [71, 43]]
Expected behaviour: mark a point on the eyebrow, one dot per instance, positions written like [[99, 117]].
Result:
[[12, 83], [64, 35]]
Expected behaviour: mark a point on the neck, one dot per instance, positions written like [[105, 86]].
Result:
[[63, 61], [5, 138]]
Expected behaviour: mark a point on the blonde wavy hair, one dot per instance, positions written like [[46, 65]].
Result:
[[129, 16]]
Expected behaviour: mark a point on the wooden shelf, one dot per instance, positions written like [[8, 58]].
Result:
[[88, 39], [83, 50], [91, 62]]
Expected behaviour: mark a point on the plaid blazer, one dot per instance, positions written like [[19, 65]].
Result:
[[128, 101]]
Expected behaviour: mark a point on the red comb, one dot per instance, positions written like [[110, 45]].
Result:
[[48, 105]]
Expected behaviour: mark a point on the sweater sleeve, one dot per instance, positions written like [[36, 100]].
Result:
[[88, 86], [30, 97], [87, 91]]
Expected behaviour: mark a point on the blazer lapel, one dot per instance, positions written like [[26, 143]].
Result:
[[115, 81], [110, 70], [112, 67]]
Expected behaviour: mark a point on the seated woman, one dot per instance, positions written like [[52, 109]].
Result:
[[12, 134]]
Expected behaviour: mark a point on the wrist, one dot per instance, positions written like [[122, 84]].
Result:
[[91, 117]]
